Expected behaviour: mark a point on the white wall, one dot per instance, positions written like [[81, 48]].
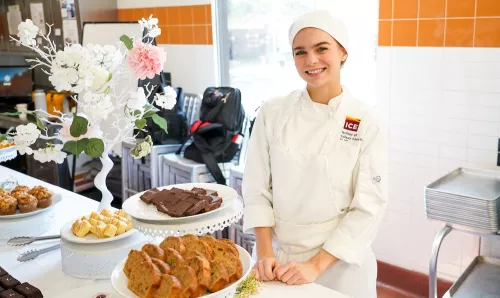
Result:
[[192, 66], [158, 3], [443, 107]]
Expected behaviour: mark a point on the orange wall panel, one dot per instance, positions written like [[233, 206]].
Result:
[[190, 24], [438, 23]]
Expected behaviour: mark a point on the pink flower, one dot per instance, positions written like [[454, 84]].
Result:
[[146, 60]]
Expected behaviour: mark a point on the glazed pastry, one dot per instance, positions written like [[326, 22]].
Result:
[[81, 228], [43, 195], [26, 202], [110, 230], [8, 205]]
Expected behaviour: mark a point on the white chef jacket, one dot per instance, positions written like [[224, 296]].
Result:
[[317, 174]]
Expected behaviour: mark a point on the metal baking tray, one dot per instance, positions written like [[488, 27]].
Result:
[[472, 183], [439, 196], [480, 279], [458, 208]]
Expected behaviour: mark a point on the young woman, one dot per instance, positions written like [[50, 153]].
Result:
[[315, 180]]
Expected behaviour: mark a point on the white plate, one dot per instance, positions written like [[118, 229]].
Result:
[[90, 238], [119, 280], [56, 198], [136, 208]]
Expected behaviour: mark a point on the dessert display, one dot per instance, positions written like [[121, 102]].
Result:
[[186, 266], [10, 287], [24, 199], [180, 202], [103, 225]]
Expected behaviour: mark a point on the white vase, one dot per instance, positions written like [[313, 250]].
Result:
[[100, 180]]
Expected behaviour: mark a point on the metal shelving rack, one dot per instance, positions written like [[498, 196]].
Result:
[[482, 276]]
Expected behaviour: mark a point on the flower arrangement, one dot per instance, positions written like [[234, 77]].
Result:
[[106, 113]]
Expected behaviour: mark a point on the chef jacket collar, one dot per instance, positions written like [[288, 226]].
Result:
[[332, 103]]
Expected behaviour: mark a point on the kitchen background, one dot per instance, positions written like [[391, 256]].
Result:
[[438, 79], [437, 82]]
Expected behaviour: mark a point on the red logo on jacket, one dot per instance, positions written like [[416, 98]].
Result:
[[351, 123]]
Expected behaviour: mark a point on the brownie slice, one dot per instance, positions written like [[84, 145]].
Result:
[[199, 191], [2, 272], [162, 197], [11, 294], [209, 199], [1, 289], [213, 206], [200, 205], [148, 195], [28, 290], [8, 282]]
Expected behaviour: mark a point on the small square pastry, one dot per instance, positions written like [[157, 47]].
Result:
[[10, 294], [8, 282], [28, 290]]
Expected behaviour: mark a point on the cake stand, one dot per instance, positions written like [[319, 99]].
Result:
[[8, 154], [199, 226], [97, 260]]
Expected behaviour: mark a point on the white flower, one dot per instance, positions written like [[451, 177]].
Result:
[[71, 69], [26, 135], [168, 100], [50, 153], [96, 106], [100, 77], [137, 100], [142, 149], [27, 31], [107, 56], [151, 25]]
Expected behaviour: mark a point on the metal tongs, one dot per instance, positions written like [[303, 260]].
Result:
[[33, 253], [21, 241]]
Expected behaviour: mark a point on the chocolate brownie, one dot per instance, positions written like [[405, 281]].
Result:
[[28, 290], [2, 272], [10, 294], [1, 289], [148, 195], [198, 190], [8, 282], [200, 205]]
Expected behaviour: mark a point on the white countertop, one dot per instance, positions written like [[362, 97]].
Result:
[[45, 272]]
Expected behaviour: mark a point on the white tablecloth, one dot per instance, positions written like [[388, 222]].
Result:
[[45, 272]]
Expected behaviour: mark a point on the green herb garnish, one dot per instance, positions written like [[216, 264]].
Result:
[[249, 286]]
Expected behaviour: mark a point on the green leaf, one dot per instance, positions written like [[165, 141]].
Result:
[[137, 113], [94, 148], [150, 114], [140, 123], [11, 113], [40, 124], [78, 127], [3, 137], [76, 147], [127, 41], [161, 122]]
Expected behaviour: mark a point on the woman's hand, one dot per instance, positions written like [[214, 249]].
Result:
[[298, 273], [264, 268]]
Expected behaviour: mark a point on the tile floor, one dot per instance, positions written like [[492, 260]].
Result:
[[385, 291]]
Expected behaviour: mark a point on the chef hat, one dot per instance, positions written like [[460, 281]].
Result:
[[323, 20]]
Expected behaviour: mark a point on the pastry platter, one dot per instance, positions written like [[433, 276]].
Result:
[[56, 198], [148, 213], [90, 238]]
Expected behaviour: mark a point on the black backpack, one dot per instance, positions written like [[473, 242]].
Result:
[[216, 137]]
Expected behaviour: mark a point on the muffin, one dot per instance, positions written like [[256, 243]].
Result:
[[21, 188], [8, 205], [18, 194], [43, 195], [26, 202], [4, 192]]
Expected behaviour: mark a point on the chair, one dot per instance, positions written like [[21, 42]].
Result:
[[142, 174]]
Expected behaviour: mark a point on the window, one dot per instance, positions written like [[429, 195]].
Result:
[[255, 56]]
